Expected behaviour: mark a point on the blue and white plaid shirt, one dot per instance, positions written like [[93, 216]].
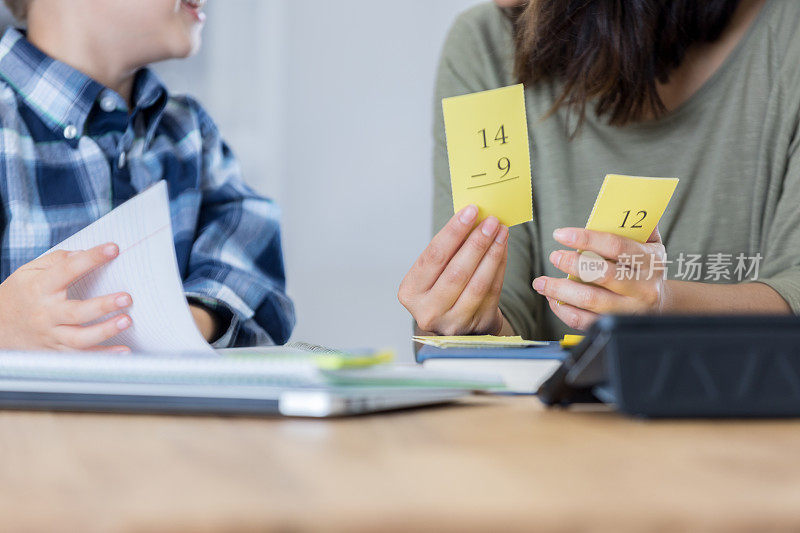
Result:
[[71, 151]]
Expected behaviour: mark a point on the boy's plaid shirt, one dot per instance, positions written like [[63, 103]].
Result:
[[71, 151]]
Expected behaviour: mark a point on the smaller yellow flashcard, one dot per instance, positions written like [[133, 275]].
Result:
[[631, 206], [487, 143]]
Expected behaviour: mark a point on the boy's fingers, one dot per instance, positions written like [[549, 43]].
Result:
[[460, 269], [75, 265], [76, 312], [85, 337], [111, 349], [432, 262], [46, 261]]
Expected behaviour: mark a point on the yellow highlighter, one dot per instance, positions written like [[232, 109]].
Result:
[[337, 361], [571, 340], [320, 357]]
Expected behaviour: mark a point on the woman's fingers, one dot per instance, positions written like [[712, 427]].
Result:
[[450, 284], [604, 244], [591, 270], [75, 265], [463, 265], [625, 275], [655, 237], [484, 286], [77, 312], [491, 303], [573, 317], [497, 286], [622, 279], [85, 337], [588, 297], [432, 262]]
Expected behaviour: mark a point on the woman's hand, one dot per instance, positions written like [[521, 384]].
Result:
[[35, 313], [454, 287], [630, 279]]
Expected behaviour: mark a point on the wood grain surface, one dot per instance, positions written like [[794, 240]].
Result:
[[487, 463]]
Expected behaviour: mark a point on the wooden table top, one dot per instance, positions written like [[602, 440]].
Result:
[[486, 463]]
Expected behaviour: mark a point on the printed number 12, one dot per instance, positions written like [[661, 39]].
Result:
[[638, 223]]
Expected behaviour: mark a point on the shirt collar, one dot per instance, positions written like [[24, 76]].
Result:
[[62, 96], [148, 90], [150, 96]]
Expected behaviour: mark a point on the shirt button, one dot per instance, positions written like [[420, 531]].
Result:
[[121, 161], [70, 132], [108, 104]]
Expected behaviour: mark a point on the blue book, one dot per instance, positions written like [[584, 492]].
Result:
[[522, 369]]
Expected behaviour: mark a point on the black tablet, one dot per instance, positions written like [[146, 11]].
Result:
[[685, 366]]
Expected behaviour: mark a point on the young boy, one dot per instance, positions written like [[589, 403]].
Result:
[[85, 126]]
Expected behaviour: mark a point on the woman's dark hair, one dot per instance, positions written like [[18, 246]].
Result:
[[611, 52]]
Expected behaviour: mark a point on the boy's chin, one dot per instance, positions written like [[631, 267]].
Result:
[[186, 47]]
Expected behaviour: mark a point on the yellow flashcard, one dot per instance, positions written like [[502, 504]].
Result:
[[631, 206], [487, 143]]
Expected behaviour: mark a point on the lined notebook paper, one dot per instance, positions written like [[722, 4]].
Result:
[[147, 269], [276, 366]]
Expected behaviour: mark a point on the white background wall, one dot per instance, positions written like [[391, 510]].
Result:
[[328, 105]]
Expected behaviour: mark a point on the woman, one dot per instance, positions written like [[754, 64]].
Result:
[[705, 91]]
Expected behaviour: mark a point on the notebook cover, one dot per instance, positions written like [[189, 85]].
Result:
[[551, 351]]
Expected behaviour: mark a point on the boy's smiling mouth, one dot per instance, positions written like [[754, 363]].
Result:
[[195, 8]]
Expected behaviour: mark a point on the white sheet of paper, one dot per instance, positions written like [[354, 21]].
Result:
[[147, 269]]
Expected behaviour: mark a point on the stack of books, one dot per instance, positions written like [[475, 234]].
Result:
[[523, 365]]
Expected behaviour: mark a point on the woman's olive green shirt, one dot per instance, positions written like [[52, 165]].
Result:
[[734, 144]]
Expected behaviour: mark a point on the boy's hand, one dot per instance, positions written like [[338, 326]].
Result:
[[454, 287], [35, 313], [206, 322]]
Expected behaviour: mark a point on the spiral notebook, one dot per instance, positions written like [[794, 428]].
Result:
[[270, 381], [147, 269]]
